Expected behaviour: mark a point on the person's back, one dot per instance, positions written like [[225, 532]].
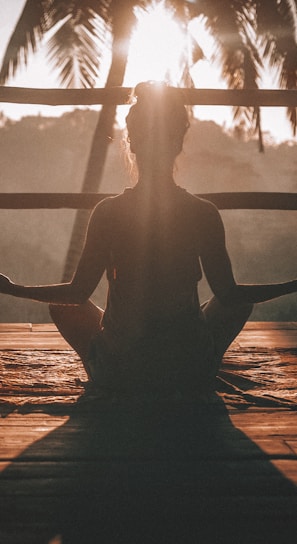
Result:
[[152, 322], [153, 266]]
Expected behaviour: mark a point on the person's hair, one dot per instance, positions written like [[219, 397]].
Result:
[[158, 115]]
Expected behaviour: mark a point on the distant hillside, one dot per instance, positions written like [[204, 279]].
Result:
[[50, 154]]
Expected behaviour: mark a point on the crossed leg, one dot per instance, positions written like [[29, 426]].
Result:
[[78, 325], [225, 322]]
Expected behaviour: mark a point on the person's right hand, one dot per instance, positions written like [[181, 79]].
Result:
[[5, 284]]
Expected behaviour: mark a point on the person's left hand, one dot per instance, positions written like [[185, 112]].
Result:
[[5, 284]]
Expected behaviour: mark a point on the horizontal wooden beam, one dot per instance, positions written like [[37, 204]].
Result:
[[224, 201], [120, 95]]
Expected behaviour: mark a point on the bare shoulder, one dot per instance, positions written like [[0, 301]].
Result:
[[205, 211], [104, 205], [106, 208]]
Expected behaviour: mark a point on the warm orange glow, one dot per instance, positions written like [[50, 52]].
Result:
[[157, 47], [16, 444]]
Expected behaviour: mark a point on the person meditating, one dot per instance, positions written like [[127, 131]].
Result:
[[153, 241]]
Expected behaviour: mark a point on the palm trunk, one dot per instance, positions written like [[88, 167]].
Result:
[[91, 184], [123, 21]]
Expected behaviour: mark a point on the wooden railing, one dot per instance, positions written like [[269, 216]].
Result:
[[120, 95], [224, 201]]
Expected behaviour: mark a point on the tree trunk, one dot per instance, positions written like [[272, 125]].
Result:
[[123, 22]]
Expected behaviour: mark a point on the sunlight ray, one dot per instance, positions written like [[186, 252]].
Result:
[[157, 47]]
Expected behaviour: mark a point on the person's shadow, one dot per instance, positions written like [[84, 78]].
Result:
[[139, 473]]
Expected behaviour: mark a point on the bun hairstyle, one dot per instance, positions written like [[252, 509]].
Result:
[[158, 116]]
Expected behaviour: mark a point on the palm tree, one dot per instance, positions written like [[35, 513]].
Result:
[[122, 17], [247, 33], [75, 51]]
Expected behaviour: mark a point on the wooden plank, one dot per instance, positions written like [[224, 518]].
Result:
[[274, 446], [224, 201], [34, 343], [31, 336], [248, 510], [112, 435], [19, 327], [37, 420], [186, 471], [51, 327], [266, 334], [287, 468], [120, 95], [18, 434], [276, 425], [293, 445], [254, 333], [270, 325], [269, 333], [22, 334], [274, 339], [189, 478], [44, 327], [15, 327], [46, 336], [33, 340]]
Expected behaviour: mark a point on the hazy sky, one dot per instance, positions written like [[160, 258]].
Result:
[[38, 73], [9, 10]]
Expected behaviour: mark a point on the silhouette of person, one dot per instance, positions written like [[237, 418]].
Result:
[[153, 241]]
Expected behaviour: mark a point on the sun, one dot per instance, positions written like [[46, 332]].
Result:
[[157, 47]]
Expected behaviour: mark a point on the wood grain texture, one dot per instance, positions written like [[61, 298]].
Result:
[[224, 201], [120, 95], [209, 471]]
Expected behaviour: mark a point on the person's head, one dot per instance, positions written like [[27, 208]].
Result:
[[157, 122]]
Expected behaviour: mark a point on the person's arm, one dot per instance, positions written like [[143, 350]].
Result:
[[218, 269], [87, 276], [261, 293]]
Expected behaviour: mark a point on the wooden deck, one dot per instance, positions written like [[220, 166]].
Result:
[[222, 470]]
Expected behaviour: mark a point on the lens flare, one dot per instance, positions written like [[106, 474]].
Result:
[[157, 47]]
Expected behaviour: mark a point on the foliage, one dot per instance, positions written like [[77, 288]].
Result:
[[74, 33]]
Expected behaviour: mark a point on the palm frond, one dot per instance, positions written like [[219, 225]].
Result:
[[196, 51], [278, 27], [40, 16], [26, 37], [227, 30], [232, 26], [191, 7], [75, 49], [63, 8], [179, 8]]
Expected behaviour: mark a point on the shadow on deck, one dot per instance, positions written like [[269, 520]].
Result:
[[147, 474], [164, 473]]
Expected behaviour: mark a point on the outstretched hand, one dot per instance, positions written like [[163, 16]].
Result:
[[5, 284]]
